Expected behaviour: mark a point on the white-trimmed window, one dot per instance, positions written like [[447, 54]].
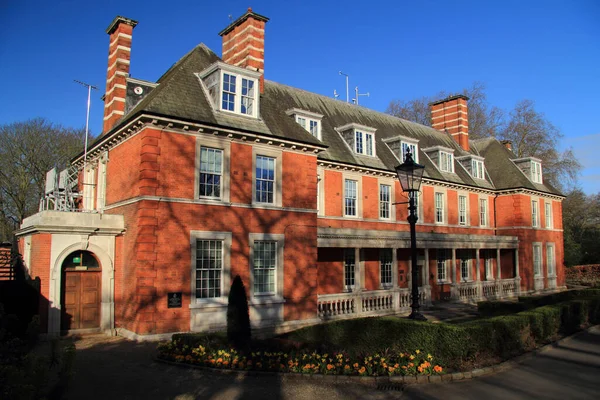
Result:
[[409, 147], [550, 259], [265, 266], [210, 265], [232, 89], [308, 120], [442, 264], [462, 210], [477, 169], [465, 267], [439, 208], [350, 198], [364, 143], [266, 256], [483, 212], [265, 179], [489, 268], [209, 268], [349, 269], [446, 162], [385, 197], [211, 172], [535, 214], [548, 215], [536, 172], [537, 259], [385, 267], [360, 138]]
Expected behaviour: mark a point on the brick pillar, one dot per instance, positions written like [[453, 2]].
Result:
[[119, 54], [244, 43], [451, 115]]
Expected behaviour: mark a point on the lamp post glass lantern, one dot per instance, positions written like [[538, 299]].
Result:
[[410, 175]]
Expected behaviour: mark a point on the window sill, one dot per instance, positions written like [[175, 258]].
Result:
[[209, 303], [266, 299]]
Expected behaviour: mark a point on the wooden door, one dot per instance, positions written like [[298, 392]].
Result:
[[81, 300]]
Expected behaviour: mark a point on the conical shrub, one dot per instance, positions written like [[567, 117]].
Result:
[[238, 317]]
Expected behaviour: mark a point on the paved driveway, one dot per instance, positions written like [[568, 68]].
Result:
[[114, 368]]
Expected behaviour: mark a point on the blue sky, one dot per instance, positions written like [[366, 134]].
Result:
[[546, 51]]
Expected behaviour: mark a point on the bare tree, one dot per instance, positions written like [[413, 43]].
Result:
[[484, 120], [533, 135], [27, 151]]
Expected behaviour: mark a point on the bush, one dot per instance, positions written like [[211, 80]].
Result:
[[499, 337], [238, 317]]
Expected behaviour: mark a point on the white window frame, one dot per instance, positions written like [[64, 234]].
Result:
[[535, 214], [310, 121], [414, 146], [551, 260], [548, 215], [446, 161], [240, 74], [385, 263], [465, 262], [277, 186], [463, 210], [537, 259], [217, 144], [483, 212], [385, 204], [477, 169], [279, 240], [215, 173], [89, 185], [441, 262], [364, 133], [349, 276], [489, 267], [348, 196], [536, 172], [225, 238], [439, 209]]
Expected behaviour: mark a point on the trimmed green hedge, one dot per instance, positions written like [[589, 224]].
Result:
[[495, 308], [454, 345]]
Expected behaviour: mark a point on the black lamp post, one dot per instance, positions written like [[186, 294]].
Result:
[[410, 175]]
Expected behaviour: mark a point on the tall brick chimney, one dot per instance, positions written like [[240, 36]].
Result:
[[451, 115], [244, 43], [119, 54]]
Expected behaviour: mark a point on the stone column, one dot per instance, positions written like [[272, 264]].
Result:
[[425, 275], [358, 279], [499, 274], [478, 273], [517, 273], [455, 282]]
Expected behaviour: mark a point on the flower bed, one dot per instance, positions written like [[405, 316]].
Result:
[[304, 362]]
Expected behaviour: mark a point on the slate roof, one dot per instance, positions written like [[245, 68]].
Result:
[[180, 95]]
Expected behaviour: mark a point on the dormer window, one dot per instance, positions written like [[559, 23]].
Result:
[[308, 120], [474, 165], [477, 170], [531, 167], [443, 157], [232, 89], [446, 162], [401, 145], [536, 171], [360, 138]]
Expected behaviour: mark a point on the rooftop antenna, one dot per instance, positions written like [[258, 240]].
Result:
[[335, 94], [347, 92], [355, 100], [87, 118]]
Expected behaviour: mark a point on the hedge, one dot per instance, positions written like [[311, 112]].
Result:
[[495, 308], [454, 345]]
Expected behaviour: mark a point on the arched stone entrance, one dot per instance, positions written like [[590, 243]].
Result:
[[81, 291]]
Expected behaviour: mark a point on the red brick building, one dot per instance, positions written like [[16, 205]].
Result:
[[213, 171]]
